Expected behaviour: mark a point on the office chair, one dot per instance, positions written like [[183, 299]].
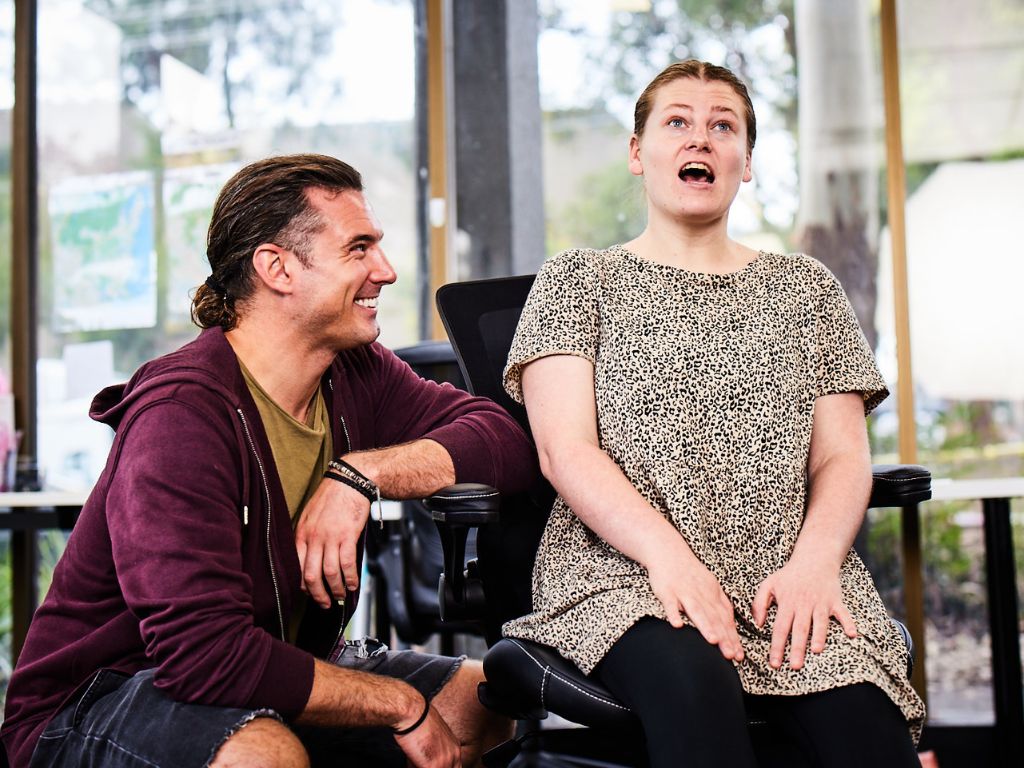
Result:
[[527, 680]]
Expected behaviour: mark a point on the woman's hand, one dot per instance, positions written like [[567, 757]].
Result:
[[684, 585], [807, 595]]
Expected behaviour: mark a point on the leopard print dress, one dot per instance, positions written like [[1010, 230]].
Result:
[[705, 387]]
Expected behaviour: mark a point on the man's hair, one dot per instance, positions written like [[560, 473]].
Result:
[[265, 202], [696, 70]]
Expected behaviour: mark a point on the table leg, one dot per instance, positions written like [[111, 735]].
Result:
[[1004, 625], [24, 586]]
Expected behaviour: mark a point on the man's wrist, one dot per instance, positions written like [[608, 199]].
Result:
[[414, 710]]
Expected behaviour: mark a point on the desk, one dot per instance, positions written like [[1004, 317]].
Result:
[[23, 514], [1003, 616]]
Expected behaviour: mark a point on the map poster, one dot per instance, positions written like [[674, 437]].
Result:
[[104, 254]]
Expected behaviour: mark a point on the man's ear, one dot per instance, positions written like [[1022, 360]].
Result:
[[635, 166], [274, 266]]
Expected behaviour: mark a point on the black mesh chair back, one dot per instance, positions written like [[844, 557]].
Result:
[[480, 317]]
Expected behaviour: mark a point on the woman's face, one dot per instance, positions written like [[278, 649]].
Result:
[[693, 153]]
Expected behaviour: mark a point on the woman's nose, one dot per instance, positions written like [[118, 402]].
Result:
[[698, 139]]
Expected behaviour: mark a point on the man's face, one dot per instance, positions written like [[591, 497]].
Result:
[[347, 268]]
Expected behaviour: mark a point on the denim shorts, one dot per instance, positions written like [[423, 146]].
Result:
[[123, 721]]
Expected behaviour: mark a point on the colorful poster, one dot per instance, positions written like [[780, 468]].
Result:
[[104, 255]]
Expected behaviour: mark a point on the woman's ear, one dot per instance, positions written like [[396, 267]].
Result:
[[748, 170], [635, 166]]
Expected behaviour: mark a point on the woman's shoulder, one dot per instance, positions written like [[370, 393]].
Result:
[[797, 266], [594, 259]]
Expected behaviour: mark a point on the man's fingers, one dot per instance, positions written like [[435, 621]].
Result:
[[312, 575], [349, 568], [333, 574]]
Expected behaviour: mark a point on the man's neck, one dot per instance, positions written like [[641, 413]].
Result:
[[285, 367]]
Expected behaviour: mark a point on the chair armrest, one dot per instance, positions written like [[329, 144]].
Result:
[[899, 485], [455, 510]]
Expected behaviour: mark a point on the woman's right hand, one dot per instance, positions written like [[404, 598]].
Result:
[[685, 586]]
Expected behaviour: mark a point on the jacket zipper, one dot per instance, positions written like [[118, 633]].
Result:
[[335, 651], [266, 496]]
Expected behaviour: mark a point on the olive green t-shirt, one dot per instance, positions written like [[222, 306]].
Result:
[[301, 451]]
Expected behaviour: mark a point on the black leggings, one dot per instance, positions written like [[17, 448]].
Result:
[[694, 712]]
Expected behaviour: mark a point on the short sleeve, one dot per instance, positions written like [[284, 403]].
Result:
[[843, 359], [560, 316]]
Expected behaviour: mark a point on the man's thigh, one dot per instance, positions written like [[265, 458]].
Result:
[[125, 722]]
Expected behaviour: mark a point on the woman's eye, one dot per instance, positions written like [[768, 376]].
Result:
[[676, 122], [722, 127]]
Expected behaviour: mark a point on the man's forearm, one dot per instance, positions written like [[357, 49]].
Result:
[[408, 471], [354, 699]]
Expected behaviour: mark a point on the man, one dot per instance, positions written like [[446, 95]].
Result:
[[166, 636]]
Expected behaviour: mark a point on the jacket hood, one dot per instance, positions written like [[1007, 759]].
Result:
[[207, 361]]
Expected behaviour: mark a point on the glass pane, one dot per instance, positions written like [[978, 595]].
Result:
[[820, 195], [145, 109], [963, 137]]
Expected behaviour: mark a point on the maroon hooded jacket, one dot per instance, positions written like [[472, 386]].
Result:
[[183, 558]]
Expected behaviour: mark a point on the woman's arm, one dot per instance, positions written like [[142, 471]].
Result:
[[559, 395], [806, 590]]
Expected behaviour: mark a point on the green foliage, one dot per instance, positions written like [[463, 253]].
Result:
[[611, 211]]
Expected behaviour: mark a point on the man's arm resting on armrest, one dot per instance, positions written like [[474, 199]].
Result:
[[328, 531]]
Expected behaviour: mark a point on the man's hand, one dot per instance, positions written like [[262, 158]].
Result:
[[327, 538], [807, 596], [684, 585], [431, 745]]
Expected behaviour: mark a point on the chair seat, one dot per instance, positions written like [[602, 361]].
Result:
[[526, 680]]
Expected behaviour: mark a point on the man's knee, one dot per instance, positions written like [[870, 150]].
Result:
[[262, 743], [476, 727]]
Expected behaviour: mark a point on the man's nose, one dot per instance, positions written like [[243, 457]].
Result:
[[383, 272]]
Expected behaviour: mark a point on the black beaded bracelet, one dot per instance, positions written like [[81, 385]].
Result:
[[353, 484], [417, 724]]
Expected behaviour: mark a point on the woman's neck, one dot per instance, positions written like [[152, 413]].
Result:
[[697, 249]]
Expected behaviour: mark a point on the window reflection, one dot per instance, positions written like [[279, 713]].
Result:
[[145, 109]]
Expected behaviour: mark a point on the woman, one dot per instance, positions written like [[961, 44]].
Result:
[[699, 407]]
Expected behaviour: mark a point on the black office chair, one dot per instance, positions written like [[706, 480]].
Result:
[[526, 680], [405, 556]]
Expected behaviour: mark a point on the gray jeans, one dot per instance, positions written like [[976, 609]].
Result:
[[123, 721]]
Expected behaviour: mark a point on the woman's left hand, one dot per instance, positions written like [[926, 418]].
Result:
[[807, 595]]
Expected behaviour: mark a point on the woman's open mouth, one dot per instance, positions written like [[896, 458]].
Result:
[[696, 173]]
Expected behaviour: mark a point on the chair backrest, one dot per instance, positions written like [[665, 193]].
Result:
[[480, 317]]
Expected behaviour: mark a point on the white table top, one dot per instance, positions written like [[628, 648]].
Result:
[[945, 489], [48, 499]]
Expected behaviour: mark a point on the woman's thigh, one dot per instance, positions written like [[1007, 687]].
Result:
[[687, 696], [846, 727]]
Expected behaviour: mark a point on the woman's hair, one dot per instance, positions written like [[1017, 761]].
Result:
[[697, 70], [265, 202]]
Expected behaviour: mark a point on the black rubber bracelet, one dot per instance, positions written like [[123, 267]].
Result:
[[366, 492], [417, 724]]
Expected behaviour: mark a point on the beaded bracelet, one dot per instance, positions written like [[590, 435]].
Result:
[[343, 472]]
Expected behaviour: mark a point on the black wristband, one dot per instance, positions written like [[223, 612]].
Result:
[[417, 724], [366, 492], [342, 463]]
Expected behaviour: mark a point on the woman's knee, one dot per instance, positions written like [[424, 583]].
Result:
[[262, 743]]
